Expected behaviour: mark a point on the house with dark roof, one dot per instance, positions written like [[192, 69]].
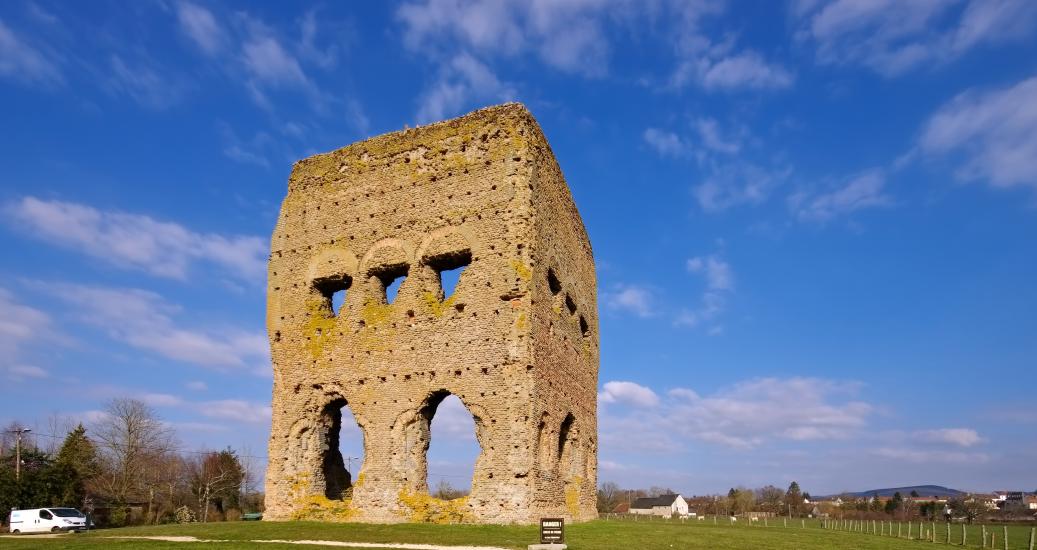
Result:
[[662, 505]]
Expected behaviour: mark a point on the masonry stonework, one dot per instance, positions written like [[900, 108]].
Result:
[[516, 341]]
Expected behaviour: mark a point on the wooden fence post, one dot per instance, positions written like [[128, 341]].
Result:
[[948, 539], [964, 535], [899, 530], [1032, 529], [1005, 527]]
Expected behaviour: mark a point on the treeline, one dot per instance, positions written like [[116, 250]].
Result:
[[125, 469], [793, 502], [737, 501]]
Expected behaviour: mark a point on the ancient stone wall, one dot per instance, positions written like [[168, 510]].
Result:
[[516, 341]]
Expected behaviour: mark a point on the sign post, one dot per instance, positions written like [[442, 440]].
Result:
[[552, 530]]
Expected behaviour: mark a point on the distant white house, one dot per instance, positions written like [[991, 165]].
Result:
[[662, 505]]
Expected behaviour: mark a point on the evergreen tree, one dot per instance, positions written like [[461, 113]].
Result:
[[793, 499], [75, 465]]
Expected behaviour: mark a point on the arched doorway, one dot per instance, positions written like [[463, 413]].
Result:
[[453, 447]]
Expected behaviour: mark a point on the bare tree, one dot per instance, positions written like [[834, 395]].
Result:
[[609, 496], [216, 475], [130, 438]]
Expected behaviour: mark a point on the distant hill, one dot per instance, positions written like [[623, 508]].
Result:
[[922, 490]]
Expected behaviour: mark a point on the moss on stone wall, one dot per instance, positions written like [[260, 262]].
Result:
[[423, 508]]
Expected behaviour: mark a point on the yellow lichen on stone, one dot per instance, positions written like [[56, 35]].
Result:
[[319, 327], [572, 496], [374, 313], [521, 269], [434, 305], [322, 508], [423, 508], [521, 323]]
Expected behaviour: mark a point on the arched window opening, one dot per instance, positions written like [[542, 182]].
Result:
[[552, 282], [585, 329], [391, 278], [453, 447], [448, 268], [343, 450], [333, 291], [564, 442], [570, 304]]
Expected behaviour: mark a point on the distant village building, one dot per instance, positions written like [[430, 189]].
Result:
[[662, 505]]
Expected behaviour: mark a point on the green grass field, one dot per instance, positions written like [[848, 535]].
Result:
[[601, 534]]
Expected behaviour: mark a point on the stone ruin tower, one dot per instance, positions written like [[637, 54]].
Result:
[[517, 340]]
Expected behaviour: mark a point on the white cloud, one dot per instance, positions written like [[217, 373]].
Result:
[[667, 144], [710, 134], [237, 410], [732, 184], [628, 393], [201, 27], [893, 37], [746, 70], [963, 437], [717, 65], [632, 298], [268, 61], [453, 420], [994, 133], [565, 35], [197, 385], [21, 61], [746, 415], [146, 85], [145, 321], [461, 81], [137, 241], [19, 324], [21, 372], [865, 190], [919, 456], [720, 284], [717, 271], [159, 399]]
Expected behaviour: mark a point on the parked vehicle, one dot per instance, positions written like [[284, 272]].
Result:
[[47, 520]]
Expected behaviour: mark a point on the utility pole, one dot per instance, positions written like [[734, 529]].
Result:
[[18, 451]]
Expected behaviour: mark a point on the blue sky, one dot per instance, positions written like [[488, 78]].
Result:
[[814, 222]]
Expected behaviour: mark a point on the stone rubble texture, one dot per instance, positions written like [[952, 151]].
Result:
[[517, 341]]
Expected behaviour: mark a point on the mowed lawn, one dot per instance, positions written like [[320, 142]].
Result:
[[648, 535]]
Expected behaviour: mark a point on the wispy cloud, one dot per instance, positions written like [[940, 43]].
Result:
[[144, 320], [994, 133], [148, 85], [962, 437], [892, 37], [744, 416], [930, 456], [718, 65], [165, 249], [629, 393], [632, 299], [19, 372], [864, 190], [200, 25], [666, 143], [24, 62], [719, 279], [735, 183], [461, 81], [567, 36], [19, 324]]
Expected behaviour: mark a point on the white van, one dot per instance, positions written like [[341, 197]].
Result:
[[47, 520]]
